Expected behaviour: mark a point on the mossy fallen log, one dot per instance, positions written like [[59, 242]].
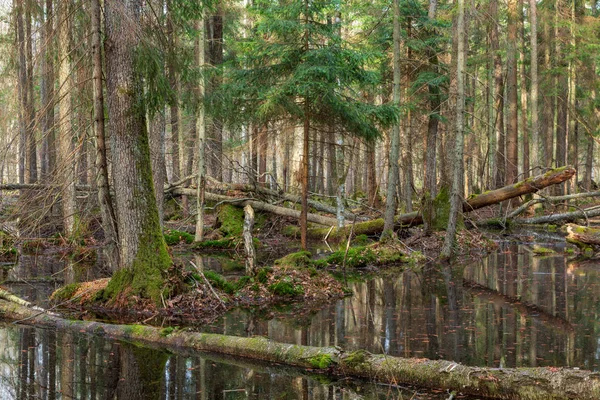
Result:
[[499, 383], [259, 205], [583, 237], [530, 185]]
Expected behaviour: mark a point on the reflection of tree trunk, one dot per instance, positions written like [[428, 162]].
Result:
[[141, 372], [67, 362], [389, 341]]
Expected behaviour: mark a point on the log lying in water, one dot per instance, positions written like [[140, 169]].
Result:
[[578, 234], [499, 383]]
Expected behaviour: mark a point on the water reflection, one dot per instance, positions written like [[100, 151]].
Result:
[[43, 364], [510, 309]]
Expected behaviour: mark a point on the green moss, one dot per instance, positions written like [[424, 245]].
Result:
[[551, 228], [361, 240], [174, 237], [286, 287], [321, 361], [290, 231], [543, 251], [230, 220], [569, 251], [218, 281], [357, 257], [215, 244], [167, 331], [298, 259], [262, 275], [66, 292], [441, 209], [356, 359]]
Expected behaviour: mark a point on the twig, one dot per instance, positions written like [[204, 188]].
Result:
[[208, 284]]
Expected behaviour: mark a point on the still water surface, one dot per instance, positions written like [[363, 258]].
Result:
[[510, 309]]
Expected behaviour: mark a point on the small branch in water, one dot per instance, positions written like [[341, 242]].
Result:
[[208, 284]]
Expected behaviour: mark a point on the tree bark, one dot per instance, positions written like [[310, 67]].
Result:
[[214, 25], [458, 170], [66, 161], [512, 128], [48, 151], [201, 139], [501, 383], [143, 252], [526, 153], [248, 243], [31, 173], [107, 212], [174, 106], [500, 173], [393, 173], [22, 89]]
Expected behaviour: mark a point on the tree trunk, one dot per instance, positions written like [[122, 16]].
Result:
[[201, 139], [248, 243], [107, 212], [22, 89], [158, 126], [31, 173], [501, 383], [48, 151], [143, 252], [500, 174], [524, 129], [393, 173], [214, 25], [456, 202], [173, 83], [66, 161], [512, 128], [536, 148]]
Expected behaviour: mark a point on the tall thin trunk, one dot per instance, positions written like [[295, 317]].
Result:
[[201, 139], [66, 162], [107, 212], [48, 156], [458, 171], [332, 173], [372, 187], [263, 145], [30, 109], [174, 114], [499, 98], [562, 96], [390, 204], [524, 129], [214, 144], [549, 110], [536, 149], [22, 89], [573, 159], [512, 126]]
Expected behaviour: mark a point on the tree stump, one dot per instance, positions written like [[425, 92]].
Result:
[[248, 244]]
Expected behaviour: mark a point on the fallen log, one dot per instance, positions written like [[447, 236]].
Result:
[[500, 383], [562, 217], [258, 205], [579, 235], [530, 185], [215, 185], [551, 199]]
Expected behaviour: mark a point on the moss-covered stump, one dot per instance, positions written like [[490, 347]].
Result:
[[499, 383], [174, 237], [585, 238]]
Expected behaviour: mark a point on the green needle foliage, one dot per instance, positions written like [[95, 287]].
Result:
[[295, 65]]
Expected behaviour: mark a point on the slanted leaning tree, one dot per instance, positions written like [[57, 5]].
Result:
[[296, 66], [142, 249]]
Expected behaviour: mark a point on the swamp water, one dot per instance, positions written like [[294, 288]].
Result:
[[509, 309]]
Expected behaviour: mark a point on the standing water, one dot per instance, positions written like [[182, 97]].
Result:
[[510, 309]]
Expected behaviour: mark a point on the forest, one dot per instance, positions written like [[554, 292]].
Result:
[[172, 169]]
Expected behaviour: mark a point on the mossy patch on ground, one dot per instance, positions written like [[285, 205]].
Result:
[[543, 251], [174, 237], [298, 259]]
